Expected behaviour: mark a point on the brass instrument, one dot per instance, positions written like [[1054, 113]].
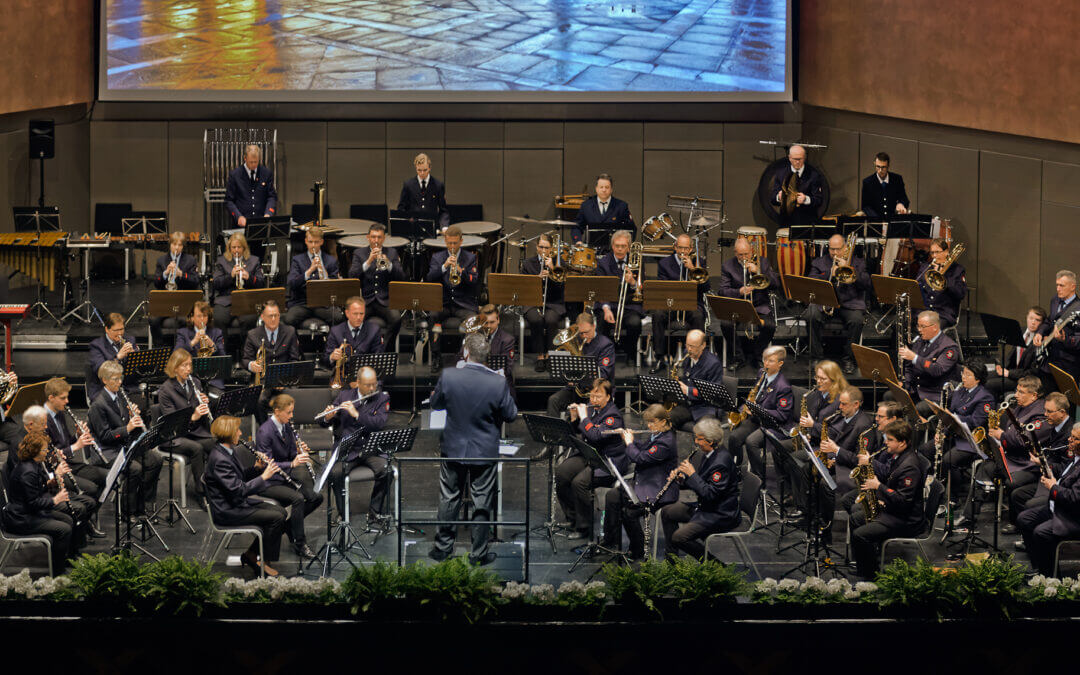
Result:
[[473, 324], [557, 273], [382, 263], [320, 270], [8, 387], [844, 274], [757, 281], [239, 277], [339, 379], [673, 373], [862, 473], [791, 193], [320, 201], [260, 360], [307, 451], [206, 345], [269, 462], [633, 265], [570, 340], [170, 284], [935, 278], [736, 418], [455, 271]]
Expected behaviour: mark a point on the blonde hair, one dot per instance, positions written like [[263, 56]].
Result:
[[175, 360], [421, 159], [224, 428], [839, 382], [243, 242]]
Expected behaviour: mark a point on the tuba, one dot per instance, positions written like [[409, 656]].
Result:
[[935, 278]]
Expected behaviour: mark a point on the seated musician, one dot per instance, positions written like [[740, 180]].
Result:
[[773, 393], [823, 403], [183, 391], [1059, 333], [679, 266], [701, 365], [945, 302], [736, 275], [542, 328], [1058, 448], [229, 491], [500, 343], [574, 478], [934, 360], [600, 215], [9, 427], [312, 265], [354, 335], [113, 425], [851, 294], [277, 439], [1019, 361], [899, 477], [459, 299], [715, 478], [201, 338], [376, 281], [239, 270], [654, 460], [883, 192], [33, 509], [971, 402], [887, 413], [249, 192], [281, 346], [361, 407], [845, 430], [1045, 525], [175, 271], [592, 344], [68, 440], [614, 264], [115, 345]]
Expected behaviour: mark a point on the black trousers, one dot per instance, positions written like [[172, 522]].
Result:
[[91, 477], [450, 318], [574, 482], [301, 504], [1026, 497], [681, 535], [297, 314], [542, 329], [379, 487], [662, 320], [389, 320], [987, 472], [1036, 526], [853, 323], [481, 480], [998, 389], [631, 327], [620, 514], [270, 518], [143, 472], [157, 323], [750, 437], [680, 415], [223, 317], [750, 349], [59, 527], [196, 450]]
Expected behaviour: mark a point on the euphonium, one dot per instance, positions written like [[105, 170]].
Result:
[[736, 418], [568, 339], [473, 324], [935, 278], [845, 274]]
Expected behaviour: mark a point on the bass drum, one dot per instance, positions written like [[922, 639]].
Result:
[[790, 255]]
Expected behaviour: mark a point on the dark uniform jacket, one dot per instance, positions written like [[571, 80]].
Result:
[[1013, 443], [376, 284], [811, 183], [1064, 354], [671, 269], [29, 498], [281, 448], [108, 420], [225, 283], [846, 435], [902, 479], [972, 407], [610, 267], [431, 199], [297, 282], [63, 435], [707, 369], [555, 297], [879, 199], [248, 198], [185, 335], [284, 349], [820, 407], [1020, 361], [186, 279], [716, 481], [373, 413], [1065, 497], [101, 350], [653, 463], [851, 296], [173, 396], [935, 363], [368, 340], [776, 398], [611, 445], [229, 486], [464, 294], [477, 401], [731, 280], [616, 217], [945, 302]]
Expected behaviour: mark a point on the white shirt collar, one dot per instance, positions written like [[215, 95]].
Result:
[[278, 425]]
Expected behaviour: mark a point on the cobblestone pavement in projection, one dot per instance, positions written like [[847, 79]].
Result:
[[700, 45]]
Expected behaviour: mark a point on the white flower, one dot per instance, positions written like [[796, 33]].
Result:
[[865, 587], [1052, 582], [1037, 580], [835, 586], [767, 585], [787, 585], [1050, 591], [814, 584], [851, 594]]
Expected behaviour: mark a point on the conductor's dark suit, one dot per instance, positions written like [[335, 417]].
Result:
[[430, 198], [250, 198], [615, 217]]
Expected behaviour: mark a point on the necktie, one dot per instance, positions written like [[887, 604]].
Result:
[[273, 337], [423, 185], [253, 177], [603, 208]]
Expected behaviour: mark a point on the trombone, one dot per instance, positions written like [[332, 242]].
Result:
[[633, 265]]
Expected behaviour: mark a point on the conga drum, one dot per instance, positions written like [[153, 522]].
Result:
[[757, 237], [790, 255]]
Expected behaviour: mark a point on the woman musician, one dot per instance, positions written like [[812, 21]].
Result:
[[182, 390], [175, 270], [361, 407], [653, 461], [278, 440], [237, 269], [200, 337]]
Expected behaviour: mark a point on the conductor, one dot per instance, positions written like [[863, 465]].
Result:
[[250, 191], [425, 193], [477, 401]]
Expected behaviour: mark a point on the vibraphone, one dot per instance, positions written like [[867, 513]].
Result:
[[38, 256]]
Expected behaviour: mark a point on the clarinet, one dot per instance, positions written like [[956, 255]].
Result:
[[269, 462], [83, 430], [204, 398], [55, 454], [296, 435]]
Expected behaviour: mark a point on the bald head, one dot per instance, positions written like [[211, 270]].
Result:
[[836, 241], [695, 343], [796, 152], [684, 240]]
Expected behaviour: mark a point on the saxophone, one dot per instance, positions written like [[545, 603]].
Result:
[[825, 459], [803, 412], [862, 473], [736, 418]]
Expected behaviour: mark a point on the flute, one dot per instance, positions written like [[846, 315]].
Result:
[[609, 432], [336, 408]]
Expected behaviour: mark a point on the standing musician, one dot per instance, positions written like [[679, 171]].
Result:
[[175, 270], [701, 365], [250, 192], [574, 478], [851, 291], [679, 266], [229, 491], [883, 192], [614, 264], [542, 328], [898, 487], [971, 402], [843, 443], [1045, 525], [1019, 361], [459, 299], [592, 344], [774, 396], [1065, 348], [113, 346], [1058, 449], [934, 360], [367, 264], [477, 402], [281, 346], [600, 215], [735, 276], [68, 440], [278, 440], [653, 462], [945, 302], [183, 391], [114, 426], [805, 185], [362, 406], [425, 193], [314, 264], [353, 335], [237, 270], [715, 477]]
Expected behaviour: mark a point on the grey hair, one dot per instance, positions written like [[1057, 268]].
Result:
[[619, 234], [779, 350], [250, 148], [35, 413], [1068, 274], [931, 316], [709, 428], [478, 348]]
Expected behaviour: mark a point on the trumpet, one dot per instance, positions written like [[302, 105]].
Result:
[[206, 345], [170, 283], [320, 270], [382, 263], [237, 265], [300, 444], [338, 381], [269, 462], [455, 271], [935, 278]]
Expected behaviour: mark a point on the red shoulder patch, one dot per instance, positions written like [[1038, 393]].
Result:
[[926, 364], [388, 406], [716, 476], [907, 481], [986, 407], [652, 450], [1038, 424], [606, 361], [783, 402], [949, 353], [610, 421]]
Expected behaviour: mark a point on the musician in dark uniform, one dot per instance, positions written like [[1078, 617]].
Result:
[[735, 275], [701, 365], [425, 193], [1064, 350], [678, 266], [1019, 361], [66, 439], [113, 346], [364, 408], [477, 402], [354, 335], [887, 412], [542, 328], [238, 267], [277, 439], [250, 192], [114, 426], [883, 192], [460, 300], [314, 264], [808, 186], [1058, 449], [500, 343], [774, 396], [176, 268], [9, 427], [945, 302], [182, 391], [376, 282], [845, 429], [898, 486], [971, 403], [715, 477], [282, 346], [574, 478], [1059, 519], [614, 264], [933, 359], [601, 215], [592, 344], [852, 297], [200, 334], [654, 459], [229, 491]]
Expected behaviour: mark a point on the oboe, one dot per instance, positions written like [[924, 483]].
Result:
[[269, 462], [58, 458], [296, 435], [83, 430]]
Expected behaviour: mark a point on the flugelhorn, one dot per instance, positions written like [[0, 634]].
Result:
[[757, 280]]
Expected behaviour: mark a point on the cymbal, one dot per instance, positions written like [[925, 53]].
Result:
[[554, 222], [558, 222], [523, 219], [702, 221]]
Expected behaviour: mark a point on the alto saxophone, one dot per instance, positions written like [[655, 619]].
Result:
[[803, 412], [862, 473], [736, 418], [827, 461]]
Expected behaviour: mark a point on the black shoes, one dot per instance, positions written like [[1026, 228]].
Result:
[[660, 365], [438, 555], [485, 559], [577, 535], [304, 551], [436, 363], [544, 453], [1009, 528]]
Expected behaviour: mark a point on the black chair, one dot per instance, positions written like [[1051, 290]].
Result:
[[309, 402], [374, 212], [463, 213], [14, 541], [305, 213]]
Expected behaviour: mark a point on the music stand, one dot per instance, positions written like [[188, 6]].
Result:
[[26, 396], [518, 290], [904, 399], [289, 374], [889, 291], [874, 364], [735, 310], [715, 394], [387, 442], [662, 389], [168, 428], [1066, 384], [810, 291], [238, 402], [498, 362], [551, 432], [384, 364], [573, 370], [413, 297], [909, 226], [343, 530], [252, 300], [142, 227], [955, 426], [597, 460], [146, 363], [173, 304], [212, 367], [670, 296], [1004, 331], [589, 289], [333, 293], [38, 219]]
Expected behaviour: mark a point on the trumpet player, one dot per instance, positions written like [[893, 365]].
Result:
[[735, 277], [115, 345], [312, 265], [543, 327], [617, 264], [175, 270], [375, 267], [200, 337], [360, 407], [281, 345], [278, 440], [237, 269], [934, 361], [180, 392], [851, 282], [699, 364], [945, 302], [592, 344], [455, 264], [362, 337], [682, 265]]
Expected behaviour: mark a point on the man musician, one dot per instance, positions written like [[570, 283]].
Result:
[[845, 431], [375, 267], [1019, 360], [281, 346], [774, 396], [592, 344], [933, 360], [851, 282], [314, 264], [249, 192], [945, 302], [175, 270], [500, 343], [1057, 518], [70, 441], [883, 192], [798, 189], [600, 215], [616, 264], [682, 265], [455, 268], [972, 403], [1064, 342], [1058, 448], [354, 335], [425, 193], [701, 365], [542, 328], [115, 345], [752, 278]]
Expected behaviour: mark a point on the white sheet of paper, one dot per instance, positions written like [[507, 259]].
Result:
[[438, 419]]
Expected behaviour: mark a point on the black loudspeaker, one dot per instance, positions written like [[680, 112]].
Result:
[[42, 139]]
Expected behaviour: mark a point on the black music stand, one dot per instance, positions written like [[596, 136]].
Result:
[[735, 310], [238, 402], [289, 374], [252, 300], [413, 297], [146, 363], [343, 530], [38, 219], [909, 226], [596, 460], [551, 432], [169, 427], [589, 289], [810, 291], [662, 390], [388, 442], [267, 231], [212, 367], [1003, 331], [416, 226], [817, 552], [165, 304], [333, 293], [890, 290], [143, 227], [958, 429], [573, 370], [874, 364], [385, 365]]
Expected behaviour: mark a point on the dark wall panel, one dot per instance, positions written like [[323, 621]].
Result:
[[1009, 205], [531, 179], [302, 149], [680, 172], [840, 164], [355, 176], [129, 163], [1058, 227], [616, 149], [1061, 183], [477, 177], [903, 157], [948, 186], [745, 159], [689, 136], [356, 135]]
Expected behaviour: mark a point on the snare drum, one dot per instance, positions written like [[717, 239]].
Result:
[[790, 255], [583, 260], [756, 236], [657, 227]]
